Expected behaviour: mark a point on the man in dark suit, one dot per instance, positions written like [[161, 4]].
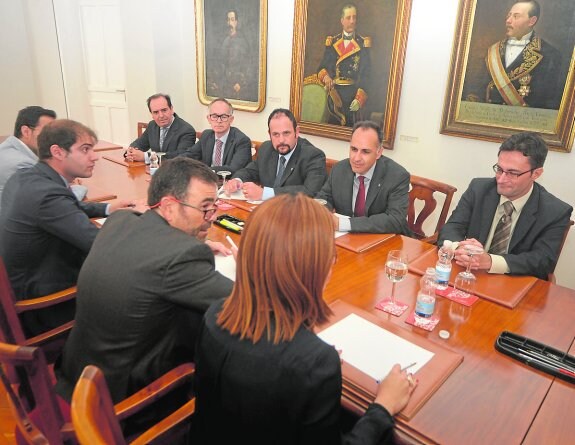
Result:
[[285, 164], [45, 232], [369, 191], [223, 148], [518, 223], [146, 283], [167, 132]]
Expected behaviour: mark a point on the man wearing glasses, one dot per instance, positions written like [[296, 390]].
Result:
[[519, 224], [223, 148], [146, 284]]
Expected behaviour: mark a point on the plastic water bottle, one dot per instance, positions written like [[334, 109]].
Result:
[[425, 304], [443, 266]]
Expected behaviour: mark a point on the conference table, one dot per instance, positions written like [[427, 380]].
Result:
[[490, 397]]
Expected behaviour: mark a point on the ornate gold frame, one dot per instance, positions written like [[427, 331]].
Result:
[[393, 87], [558, 139], [204, 97]]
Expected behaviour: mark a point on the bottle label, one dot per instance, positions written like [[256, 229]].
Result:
[[442, 273], [425, 305]]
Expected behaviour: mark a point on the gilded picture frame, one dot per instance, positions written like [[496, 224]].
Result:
[[231, 48], [379, 39], [492, 92]]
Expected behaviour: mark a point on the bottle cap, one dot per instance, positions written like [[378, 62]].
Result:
[[447, 243], [444, 334]]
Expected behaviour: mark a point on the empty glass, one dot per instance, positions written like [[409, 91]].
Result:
[[160, 154], [465, 281], [395, 270]]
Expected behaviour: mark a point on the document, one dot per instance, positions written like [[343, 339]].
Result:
[[226, 265], [238, 194], [371, 349]]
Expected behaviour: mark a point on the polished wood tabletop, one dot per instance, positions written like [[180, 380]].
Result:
[[490, 397]]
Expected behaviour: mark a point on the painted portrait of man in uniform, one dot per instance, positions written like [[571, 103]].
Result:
[[347, 63]]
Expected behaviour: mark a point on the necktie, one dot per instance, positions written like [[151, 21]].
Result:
[[163, 132], [281, 170], [502, 231], [360, 198], [218, 156]]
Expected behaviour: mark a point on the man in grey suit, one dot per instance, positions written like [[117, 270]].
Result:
[[21, 150], [45, 232], [146, 283], [369, 191], [518, 223], [167, 132], [223, 148], [285, 164]]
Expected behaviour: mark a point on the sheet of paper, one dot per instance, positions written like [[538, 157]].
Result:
[[337, 232], [100, 221], [238, 194], [226, 265], [372, 349]]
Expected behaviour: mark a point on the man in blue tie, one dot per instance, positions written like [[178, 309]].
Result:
[[285, 164], [369, 192], [167, 132]]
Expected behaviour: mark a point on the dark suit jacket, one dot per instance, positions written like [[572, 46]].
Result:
[[386, 201], [537, 236], [286, 393], [180, 137], [45, 236], [133, 291], [305, 172], [237, 151]]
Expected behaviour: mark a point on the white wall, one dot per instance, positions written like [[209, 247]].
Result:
[[160, 56]]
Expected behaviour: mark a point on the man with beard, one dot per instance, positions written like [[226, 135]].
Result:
[[285, 164]]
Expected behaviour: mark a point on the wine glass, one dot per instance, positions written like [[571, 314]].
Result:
[[465, 281], [395, 270], [224, 174], [160, 154]]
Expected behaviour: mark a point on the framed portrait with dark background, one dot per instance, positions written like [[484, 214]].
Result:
[[347, 65], [231, 46]]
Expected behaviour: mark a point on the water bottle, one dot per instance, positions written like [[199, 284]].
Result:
[[425, 304], [443, 266]]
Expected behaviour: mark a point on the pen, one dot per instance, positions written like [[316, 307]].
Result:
[[408, 366], [543, 358], [231, 241], [546, 367]]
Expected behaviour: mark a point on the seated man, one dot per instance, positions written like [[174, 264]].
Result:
[[21, 150], [167, 132], [285, 164], [368, 190], [145, 284], [518, 223], [45, 232], [223, 147]]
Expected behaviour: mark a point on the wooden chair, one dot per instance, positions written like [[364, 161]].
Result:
[[255, 147], [11, 330], [141, 127], [551, 276], [329, 163], [424, 189], [97, 421], [198, 135], [41, 416]]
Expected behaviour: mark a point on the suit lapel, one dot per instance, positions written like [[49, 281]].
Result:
[[489, 207], [375, 184], [347, 189], [227, 158], [290, 167], [209, 147], [526, 219]]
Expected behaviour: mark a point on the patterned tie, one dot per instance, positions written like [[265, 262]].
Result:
[[360, 198], [163, 132], [281, 170], [502, 232], [218, 156]]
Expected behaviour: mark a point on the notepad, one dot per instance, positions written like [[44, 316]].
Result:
[[226, 265], [372, 349]]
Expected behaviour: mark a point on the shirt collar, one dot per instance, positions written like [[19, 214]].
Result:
[[519, 203], [171, 122], [368, 174], [224, 138], [522, 41]]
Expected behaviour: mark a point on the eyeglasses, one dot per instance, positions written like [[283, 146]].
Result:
[[208, 213], [499, 171], [219, 117]]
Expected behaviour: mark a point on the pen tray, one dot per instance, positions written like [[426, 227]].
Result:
[[538, 355], [230, 223]]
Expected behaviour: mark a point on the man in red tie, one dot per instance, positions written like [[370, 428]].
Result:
[[369, 192]]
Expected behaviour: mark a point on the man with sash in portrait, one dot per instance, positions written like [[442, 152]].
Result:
[[344, 70], [524, 68]]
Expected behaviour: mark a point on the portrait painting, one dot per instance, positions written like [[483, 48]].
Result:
[[231, 40], [347, 65], [511, 71]]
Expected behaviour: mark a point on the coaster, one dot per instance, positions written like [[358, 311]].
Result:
[[424, 323], [449, 293], [383, 305], [224, 205]]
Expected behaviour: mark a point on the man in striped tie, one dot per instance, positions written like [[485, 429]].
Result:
[[518, 223]]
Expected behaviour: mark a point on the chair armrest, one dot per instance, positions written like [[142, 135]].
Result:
[[51, 335], [431, 239], [155, 390], [46, 301]]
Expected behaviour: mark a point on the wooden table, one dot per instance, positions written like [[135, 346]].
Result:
[[490, 398]]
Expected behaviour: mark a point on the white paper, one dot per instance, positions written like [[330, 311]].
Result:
[[100, 221], [226, 265], [337, 232], [372, 349], [238, 194]]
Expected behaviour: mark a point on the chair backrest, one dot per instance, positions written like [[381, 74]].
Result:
[[93, 411], [255, 148], [141, 127], [47, 425], [551, 276], [11, 330], [424, 189], [329, 163]]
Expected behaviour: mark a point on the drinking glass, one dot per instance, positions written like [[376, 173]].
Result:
[[224, 174], [160, 154], [395, 270], [465, 281]]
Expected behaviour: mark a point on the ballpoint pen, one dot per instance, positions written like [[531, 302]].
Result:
[[408, 366], [231, 241]]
